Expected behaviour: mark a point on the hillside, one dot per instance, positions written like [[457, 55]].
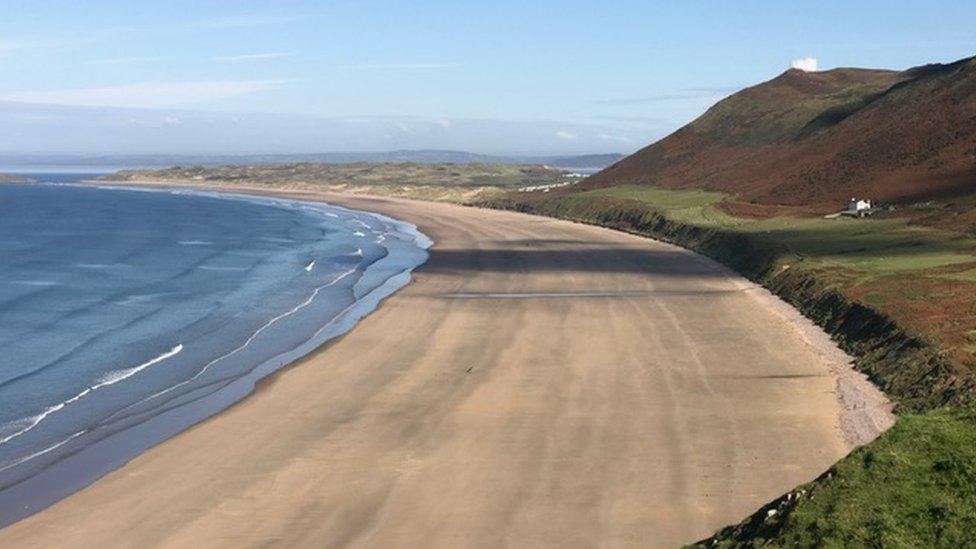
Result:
[[813, 140]]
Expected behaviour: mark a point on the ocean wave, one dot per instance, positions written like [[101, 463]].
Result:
[[24, 425], [40, 283], [100, 265], [244, 345], [49, 441], [139, 298], [231, 269], [40, 453]]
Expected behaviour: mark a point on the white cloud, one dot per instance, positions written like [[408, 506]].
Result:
[[444, 123], [562, 134], [243, 21], [153, 121], [254, 56], [125, 60], [806, 64], [380, 66], [145, 95], [8, 47], [617, 138]]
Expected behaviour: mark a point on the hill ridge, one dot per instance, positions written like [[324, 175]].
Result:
[[810, 139]]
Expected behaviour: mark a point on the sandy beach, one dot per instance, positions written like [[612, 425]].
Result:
[[540, 383]]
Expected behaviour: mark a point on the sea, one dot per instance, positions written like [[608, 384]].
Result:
[[128, 315]]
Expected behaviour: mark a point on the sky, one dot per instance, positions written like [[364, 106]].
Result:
[[500, 77]]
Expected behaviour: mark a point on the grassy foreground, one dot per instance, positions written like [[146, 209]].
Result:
[[913, 487], [898, 295]]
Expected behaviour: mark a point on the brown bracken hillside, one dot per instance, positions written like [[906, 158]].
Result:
[[813, 140]]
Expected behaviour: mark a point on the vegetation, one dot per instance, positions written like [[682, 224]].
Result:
[[913, 487], [459, 183], [810, 140]]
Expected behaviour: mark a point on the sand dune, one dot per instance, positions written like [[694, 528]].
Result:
[[541, 383]]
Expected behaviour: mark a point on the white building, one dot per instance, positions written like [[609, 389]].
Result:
[[858, 208]]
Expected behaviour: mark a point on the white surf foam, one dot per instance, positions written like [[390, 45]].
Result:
[[236, 269], [250, 339], [40, 283], [39, 453], [99, 265], [24, 425]]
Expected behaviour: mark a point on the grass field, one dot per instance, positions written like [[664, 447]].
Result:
[[875, 246]]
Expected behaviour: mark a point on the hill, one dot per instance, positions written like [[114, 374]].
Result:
[[813, 140]]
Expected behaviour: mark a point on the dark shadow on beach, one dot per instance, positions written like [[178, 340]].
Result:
[[579, 259]]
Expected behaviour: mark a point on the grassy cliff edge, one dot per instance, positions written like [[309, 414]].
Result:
[[916, 484]]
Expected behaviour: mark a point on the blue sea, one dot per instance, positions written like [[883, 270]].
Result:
[[128, 315]]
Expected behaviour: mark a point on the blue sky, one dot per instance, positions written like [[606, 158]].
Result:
[[567, 76]]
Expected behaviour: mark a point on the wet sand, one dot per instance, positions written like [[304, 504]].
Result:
[[540, 383]]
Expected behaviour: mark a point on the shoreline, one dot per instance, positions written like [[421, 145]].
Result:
[[271, 385], [865, 411], [90, 461]]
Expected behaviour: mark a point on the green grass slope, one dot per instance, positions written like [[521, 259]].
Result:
[[913, 487]]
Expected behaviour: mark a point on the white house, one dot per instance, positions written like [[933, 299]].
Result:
[[858, 207]]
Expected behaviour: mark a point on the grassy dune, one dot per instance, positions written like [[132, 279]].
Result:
[[4, 178], [458, 183]]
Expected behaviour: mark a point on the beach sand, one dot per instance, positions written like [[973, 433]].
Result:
[[539, 384]]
